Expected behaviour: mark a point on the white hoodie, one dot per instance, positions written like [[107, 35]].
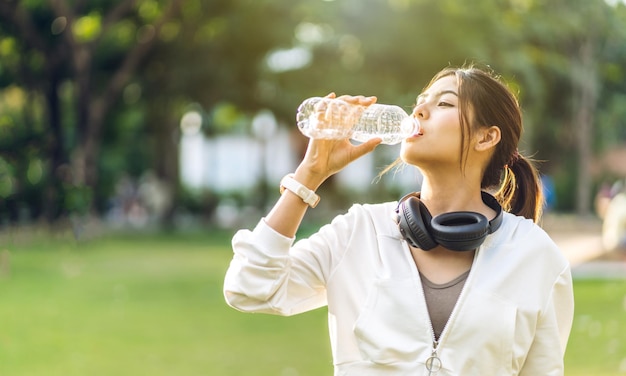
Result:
[[513, 316]]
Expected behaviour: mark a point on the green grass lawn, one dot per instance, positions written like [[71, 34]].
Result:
[[153, 305]]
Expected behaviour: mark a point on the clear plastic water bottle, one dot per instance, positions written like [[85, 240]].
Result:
[[329, 118]]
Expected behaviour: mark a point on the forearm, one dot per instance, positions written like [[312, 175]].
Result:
[[288, 212]]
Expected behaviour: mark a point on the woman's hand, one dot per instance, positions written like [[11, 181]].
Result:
[[324, 158]]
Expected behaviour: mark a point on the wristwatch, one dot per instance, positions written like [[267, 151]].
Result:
[[307, 195]]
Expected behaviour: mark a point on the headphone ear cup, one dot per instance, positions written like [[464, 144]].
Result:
[[414, 223], [460, 231], [456, 231]]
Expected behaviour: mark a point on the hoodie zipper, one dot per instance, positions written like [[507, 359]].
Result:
[[433, 362]]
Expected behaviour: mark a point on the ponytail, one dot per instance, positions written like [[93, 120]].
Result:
[[520, 191]]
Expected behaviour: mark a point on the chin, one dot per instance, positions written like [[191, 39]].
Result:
[[407, 157], [408, 151]]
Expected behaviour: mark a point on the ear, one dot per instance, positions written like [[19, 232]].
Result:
[[487, 138]]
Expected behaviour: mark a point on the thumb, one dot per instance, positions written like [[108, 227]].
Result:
[[366, 147]]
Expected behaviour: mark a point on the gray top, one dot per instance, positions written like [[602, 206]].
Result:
[[440, 300]]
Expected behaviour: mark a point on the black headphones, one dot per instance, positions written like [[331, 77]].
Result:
[[457, 231]]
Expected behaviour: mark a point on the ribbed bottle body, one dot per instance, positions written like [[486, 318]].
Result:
[[326, 118]]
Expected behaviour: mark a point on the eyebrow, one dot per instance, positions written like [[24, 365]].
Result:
[[438, 94]]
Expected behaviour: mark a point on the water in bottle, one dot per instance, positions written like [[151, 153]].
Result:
[[329, 118]]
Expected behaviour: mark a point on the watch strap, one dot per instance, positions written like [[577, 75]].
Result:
[[306, 194]]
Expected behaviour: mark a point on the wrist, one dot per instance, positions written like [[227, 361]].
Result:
[[290, 184], [309, 179]]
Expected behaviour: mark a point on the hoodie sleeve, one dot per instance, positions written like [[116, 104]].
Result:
[[553, 329], [271, 274]]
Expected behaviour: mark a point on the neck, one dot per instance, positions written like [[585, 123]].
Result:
[[448, 193]]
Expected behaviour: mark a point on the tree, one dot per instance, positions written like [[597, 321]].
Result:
[[81, 33], [102, 84]]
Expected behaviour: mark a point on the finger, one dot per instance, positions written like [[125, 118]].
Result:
[[366, 147], [359, 99], [366, 101], [351, 98]]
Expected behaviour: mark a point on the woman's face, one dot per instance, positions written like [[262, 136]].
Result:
[[438, 143]]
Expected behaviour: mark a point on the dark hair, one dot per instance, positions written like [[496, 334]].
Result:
[[513, 177]]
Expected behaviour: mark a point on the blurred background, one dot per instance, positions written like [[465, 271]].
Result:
[[137, 135]]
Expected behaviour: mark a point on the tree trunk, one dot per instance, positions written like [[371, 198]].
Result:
[[55, 145], [586, 91], [83, 170]]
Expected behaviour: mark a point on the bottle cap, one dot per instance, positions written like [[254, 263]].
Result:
[[410, 126]]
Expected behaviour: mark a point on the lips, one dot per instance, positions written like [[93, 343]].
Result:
[[417, 131]]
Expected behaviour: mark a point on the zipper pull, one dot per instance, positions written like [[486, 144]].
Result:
[[433, 363]]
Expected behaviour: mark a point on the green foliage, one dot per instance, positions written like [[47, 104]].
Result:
[[7, 179], [217, 54], [78, 199], [87, 28], [226, 118], [149, 10]]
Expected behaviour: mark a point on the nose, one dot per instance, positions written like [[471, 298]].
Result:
[[420, 111]]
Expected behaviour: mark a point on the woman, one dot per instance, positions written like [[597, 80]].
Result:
[[406, 296]]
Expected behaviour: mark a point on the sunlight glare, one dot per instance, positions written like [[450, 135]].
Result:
[[292, 59]]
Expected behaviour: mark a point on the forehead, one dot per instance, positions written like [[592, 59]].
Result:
[[443, 84]]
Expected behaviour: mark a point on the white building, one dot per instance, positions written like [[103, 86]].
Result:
[[236, 162]]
